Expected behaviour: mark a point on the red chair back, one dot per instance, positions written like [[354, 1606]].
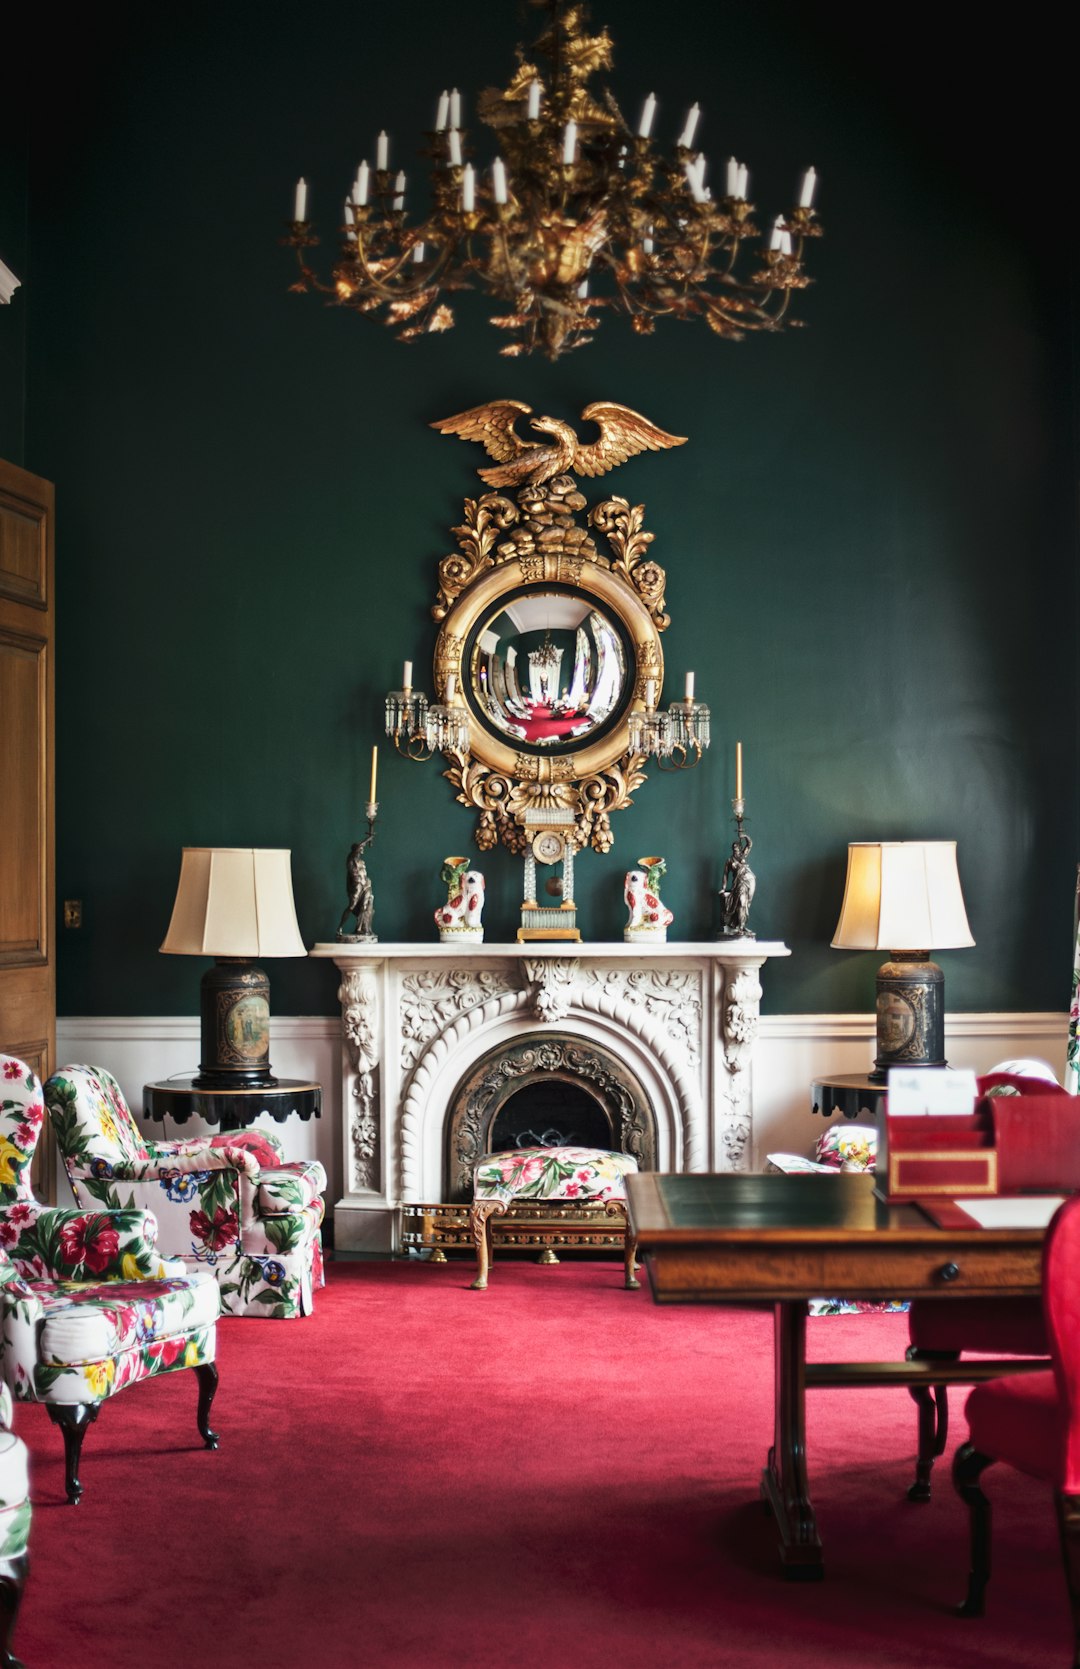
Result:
[[1061, 1305]]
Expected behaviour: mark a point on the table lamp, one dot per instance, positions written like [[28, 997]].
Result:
[[904, 896], [234, 903]]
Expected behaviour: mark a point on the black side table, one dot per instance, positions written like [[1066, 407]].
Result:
[[851, 1094], [233, 1109]]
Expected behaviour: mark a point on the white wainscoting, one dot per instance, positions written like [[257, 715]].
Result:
[[791, 1051]]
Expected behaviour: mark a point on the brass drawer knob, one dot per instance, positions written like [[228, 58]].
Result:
[[949, 1271]]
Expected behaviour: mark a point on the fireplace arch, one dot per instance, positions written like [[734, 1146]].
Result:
[[611, 1098]]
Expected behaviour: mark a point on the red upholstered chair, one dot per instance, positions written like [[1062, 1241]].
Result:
[[943, 1330], [1032, 1421]]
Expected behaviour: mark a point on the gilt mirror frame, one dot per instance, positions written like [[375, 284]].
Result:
[[508, 548]]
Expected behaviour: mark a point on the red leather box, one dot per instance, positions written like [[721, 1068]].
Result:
[[931, 1155], [1020, 1143]]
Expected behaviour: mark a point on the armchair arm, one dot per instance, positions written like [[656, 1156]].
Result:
[[173, 1159], [47, 1242]]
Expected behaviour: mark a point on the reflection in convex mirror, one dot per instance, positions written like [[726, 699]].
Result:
[[548, 670]]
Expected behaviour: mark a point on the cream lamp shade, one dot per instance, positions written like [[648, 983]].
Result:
[[904, 896], [234, 903]]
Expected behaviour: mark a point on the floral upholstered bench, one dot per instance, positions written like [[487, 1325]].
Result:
[[564, 1196]]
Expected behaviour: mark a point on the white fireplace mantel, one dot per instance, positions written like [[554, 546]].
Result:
[[417, 1018]]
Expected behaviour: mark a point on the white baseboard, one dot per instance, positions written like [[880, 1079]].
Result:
[[792, 1051]]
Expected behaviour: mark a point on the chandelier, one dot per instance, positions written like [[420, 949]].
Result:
[[576, 213]]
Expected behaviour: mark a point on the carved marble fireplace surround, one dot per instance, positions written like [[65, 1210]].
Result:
[[416, 1019]]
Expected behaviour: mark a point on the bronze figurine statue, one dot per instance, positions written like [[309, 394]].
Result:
[[737, 891], [361, 903]]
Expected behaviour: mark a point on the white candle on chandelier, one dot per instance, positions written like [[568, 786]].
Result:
[[360, 185], [742, 189], [647, 241], [731, 179], [689, 686], [418, 252], [300, 200], [442, 112], [455, 108], [690, 129], [498, 180], [806, 192], [647, 113], [777, 234], [455, 148], [532, 111], [785, 243], [468, 189], [569, 147], [349, 216], [406, 678], [382, 153], [399, 191], [583, 288]]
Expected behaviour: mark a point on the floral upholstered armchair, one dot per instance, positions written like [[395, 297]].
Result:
[[87, 1303], [228, 1203], [14, 1517]]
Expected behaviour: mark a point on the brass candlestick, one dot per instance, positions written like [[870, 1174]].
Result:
[[739, 881], [358, 885]]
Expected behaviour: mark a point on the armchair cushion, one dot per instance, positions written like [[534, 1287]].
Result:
[[553, 1173], [87, 1323]]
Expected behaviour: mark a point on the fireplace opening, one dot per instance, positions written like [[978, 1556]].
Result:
[[550, 1112], [545, 1090]]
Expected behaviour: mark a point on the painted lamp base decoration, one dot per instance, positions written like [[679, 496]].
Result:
[[460, 917], [650, 918]]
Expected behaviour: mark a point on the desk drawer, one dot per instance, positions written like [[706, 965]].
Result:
[[875, 1270]]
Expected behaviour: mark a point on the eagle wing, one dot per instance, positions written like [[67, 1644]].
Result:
[[493, 426], [622, 434]]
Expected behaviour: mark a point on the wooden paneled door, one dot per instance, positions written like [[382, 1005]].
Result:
[[27, 867]]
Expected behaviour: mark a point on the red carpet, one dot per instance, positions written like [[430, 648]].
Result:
[[555, 1474]]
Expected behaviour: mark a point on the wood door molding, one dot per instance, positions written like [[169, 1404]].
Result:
[[27, 771]]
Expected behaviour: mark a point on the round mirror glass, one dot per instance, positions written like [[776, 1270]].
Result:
[[549, 670]]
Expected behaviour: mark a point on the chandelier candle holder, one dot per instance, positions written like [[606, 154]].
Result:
[[576, 213], [677, 738], [419, 728]]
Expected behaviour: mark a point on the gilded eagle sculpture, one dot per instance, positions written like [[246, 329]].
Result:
[[623, 433]]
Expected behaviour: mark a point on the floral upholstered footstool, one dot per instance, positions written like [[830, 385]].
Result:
[[567, 1196]]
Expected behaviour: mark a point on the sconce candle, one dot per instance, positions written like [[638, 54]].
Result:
[[300, 200], [689, 686], [374, 774], [406, 677]]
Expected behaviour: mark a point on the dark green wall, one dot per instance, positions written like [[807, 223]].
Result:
[[870, 537], [14, 253]]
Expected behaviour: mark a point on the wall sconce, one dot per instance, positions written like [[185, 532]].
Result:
[[904, 896], [675, 739]]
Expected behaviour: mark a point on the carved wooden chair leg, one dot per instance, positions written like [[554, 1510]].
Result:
[[480, 1222], [632, 1283], [207, 1375], [1068, 1511], [12, 1581], [968, 1466], [933, 1406], [617, 1208], [73, 1419]]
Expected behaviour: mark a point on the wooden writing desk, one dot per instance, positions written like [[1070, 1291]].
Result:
[[781, 1240]]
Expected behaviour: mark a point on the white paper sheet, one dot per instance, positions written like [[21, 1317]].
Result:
[[917, 1090], [1026, 1211]]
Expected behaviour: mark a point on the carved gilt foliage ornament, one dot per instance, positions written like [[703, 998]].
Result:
[[541, 575]]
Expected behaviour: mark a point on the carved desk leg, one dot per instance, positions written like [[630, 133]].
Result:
[[480, 1222], [784, 1482]]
